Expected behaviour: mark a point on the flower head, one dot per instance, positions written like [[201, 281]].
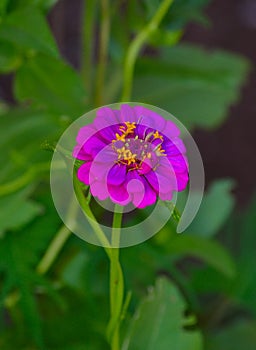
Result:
[[131, 155]]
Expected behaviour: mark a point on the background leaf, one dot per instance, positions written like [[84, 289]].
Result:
[[17, 210], [10, 59], [215, 209], [242, 333], [28, 30], [195, 85], [50, 84], [159, 322]]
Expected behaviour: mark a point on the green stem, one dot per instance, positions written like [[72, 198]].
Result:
[[116, 284], [103, 52], [89, 13], [92, 221], [59, 240], [53, 250], [136, 45]]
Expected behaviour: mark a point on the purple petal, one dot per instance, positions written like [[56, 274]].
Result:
[[83, 173], [80, 154], [174, 146], [85, 133], [149, 118], [109, 134], [106, 117], [128, 114], [117, 175], [119, 194], [94, 145], [142, 193], [99, 190], [171, 130]]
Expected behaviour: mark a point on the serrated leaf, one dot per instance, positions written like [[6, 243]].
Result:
[[194, 85], [52, 85], [159, 322], [27, 29]]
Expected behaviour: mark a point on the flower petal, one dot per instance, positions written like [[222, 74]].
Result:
[[106, 117], [149, 118], [141, 192], [79, 153], [119, 194], [117, 174], [85, 133], [128, 114], [83, 173]]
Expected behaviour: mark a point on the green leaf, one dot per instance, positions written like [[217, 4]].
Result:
[[20, 144], [19, 255], [13, 265], [194, 85], [27, 29], [20, 4], [10, 59], [215, 208], [51, 84], [184, 11], [16, 210], [159, 322], [3, 6], [209, 251]]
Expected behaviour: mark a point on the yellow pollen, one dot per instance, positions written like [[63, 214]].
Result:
[[160, 151], [126, 129], [126, 156], [158, 136], [119, 137]]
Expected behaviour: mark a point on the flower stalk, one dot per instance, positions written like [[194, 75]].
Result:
[[103, 52], [136, 45], [116, 283]]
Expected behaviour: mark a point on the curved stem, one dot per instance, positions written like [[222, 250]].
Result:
[[92, 221], [103, 52], [136, 45]]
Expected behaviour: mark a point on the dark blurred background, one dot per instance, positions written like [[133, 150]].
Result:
[[228, 151]]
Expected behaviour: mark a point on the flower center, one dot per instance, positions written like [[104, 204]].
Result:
[[133, 151]]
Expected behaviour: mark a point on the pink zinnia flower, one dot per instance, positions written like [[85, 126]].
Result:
[[131, 155]]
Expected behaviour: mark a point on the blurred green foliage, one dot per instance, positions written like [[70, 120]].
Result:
[[67, 308]]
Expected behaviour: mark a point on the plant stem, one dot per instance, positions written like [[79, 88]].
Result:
[[116, 284], [92, 221], [59, 240], [89, 12], [103, 52], [136, 45]]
